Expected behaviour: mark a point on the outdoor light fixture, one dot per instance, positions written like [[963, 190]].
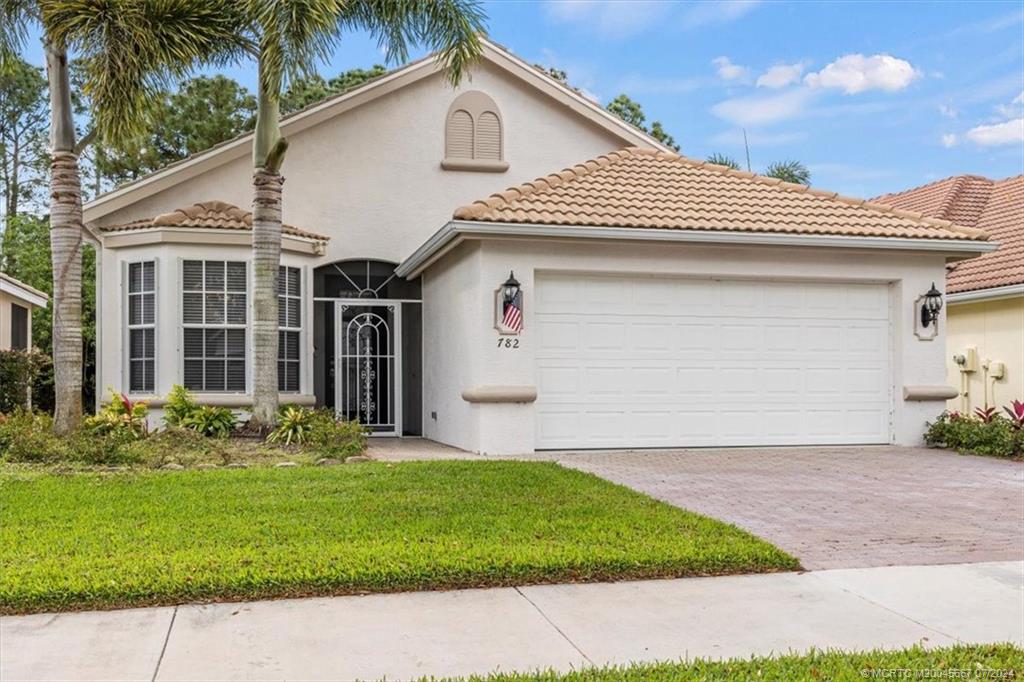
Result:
[[930, 306], [510, 288]]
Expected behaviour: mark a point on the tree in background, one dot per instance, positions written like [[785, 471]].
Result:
[[306, 91], [290, 36], [25, 255], [24, 116], [126, 48], [201, 113], [787, 171]]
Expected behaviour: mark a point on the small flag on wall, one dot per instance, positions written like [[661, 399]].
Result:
[[513, 317]]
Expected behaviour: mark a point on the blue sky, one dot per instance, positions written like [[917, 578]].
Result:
[[872, 97]]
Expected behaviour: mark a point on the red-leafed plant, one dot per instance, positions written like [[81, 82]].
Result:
[[1016, 412], [985, 414]]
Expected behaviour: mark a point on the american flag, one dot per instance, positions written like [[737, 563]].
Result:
[[513, 318]]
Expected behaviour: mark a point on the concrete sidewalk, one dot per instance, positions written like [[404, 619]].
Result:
[[403, 636]]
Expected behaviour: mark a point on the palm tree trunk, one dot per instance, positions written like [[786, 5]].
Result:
[[65, 246], [266, 260]]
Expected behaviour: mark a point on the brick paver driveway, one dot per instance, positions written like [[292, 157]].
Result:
[[840, 507]]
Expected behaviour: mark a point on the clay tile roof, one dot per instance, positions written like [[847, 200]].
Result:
[[210, 215], [645, 188], [995, 206]]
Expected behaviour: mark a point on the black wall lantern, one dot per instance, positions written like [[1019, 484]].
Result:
[[931, 306], [510, 288]]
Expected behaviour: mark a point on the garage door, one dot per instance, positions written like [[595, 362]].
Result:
[[667, 362]]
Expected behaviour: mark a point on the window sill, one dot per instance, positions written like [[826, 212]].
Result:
[[476, 165], [224, 399]]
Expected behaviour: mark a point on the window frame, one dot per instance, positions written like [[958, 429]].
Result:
[[299, 299], [244, 327], [129, 327]]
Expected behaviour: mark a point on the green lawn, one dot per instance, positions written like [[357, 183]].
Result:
[[108, 540], [974, 662]]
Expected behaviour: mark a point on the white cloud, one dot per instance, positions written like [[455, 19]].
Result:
[[1012, 110], [1007, 132], [760, 109], [723, 11], [1019, 99], [729, 71], [612, 18], [781, 75], [949, 140], [948, 111], [855, 73]]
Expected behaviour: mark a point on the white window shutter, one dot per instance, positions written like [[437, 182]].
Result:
[[488, 137], [459, 135]]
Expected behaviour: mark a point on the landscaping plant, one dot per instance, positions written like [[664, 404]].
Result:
[[986, 433], [180, 404], [217, 422], [320, 431], [120, 417], [1016, 412], [294, 425]]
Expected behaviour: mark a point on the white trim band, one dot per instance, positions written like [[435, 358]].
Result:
[[456, 230], [990, 294]]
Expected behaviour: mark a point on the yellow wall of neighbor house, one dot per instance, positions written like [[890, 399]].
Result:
[[5, 318], [996, 329]]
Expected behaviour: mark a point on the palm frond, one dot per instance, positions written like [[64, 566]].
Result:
[[450, 27], [15, 17], [132, 49]]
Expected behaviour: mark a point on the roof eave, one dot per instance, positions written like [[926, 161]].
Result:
[[988, 294], [457, 230], [24, 292]]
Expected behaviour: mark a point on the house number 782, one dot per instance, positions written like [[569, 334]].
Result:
[[508, 343]]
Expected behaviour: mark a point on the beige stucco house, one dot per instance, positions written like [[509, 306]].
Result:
[[634, 299], [985, 345], [17, 301]]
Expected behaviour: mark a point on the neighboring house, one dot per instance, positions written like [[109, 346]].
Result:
[[660, 301], [17, 300], [986, 294]]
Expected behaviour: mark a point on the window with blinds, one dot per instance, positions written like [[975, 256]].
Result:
[[289, 322], [214, 305], [473, 134], [141, 325]]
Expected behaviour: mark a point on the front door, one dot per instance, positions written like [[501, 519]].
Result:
[[368, 364]]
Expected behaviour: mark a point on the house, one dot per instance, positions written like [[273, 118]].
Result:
[[637, 299], [985, 341], [17, 300]]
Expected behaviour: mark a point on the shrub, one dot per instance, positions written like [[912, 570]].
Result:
[[294, 425], [987, 434], [27, 436], [180, 405], [319, 431], [217, 422], [120, 418], [173, 444], [19, 371]]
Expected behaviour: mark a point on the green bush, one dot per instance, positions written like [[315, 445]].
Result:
[[19, 371], [996, 437], [217, 422], [173, 444], [180, 405], [28, 437], [121, 418], [319, 431]]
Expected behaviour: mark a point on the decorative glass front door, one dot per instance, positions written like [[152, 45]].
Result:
[[368, 365]]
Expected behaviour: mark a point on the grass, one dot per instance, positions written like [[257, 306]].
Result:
[[92, 540], [975, 662]]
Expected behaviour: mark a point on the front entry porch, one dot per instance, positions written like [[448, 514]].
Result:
[[367, 346]]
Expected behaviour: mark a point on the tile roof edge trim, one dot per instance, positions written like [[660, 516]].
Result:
[[455, 230], [216, 231], [989, 294], [23, 291]]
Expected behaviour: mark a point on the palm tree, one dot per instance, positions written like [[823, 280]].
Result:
[[128, 48], [789, 171], [288, 37]]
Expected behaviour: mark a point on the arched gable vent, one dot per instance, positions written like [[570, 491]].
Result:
[[473, 137]]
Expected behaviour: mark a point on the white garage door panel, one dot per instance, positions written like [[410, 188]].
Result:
[[656, 362]]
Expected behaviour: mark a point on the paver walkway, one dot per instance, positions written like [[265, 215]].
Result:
[[404, 636], [832, 507], [840, 507]]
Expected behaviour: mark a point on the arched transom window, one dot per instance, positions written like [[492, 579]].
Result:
[[473, 137]]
